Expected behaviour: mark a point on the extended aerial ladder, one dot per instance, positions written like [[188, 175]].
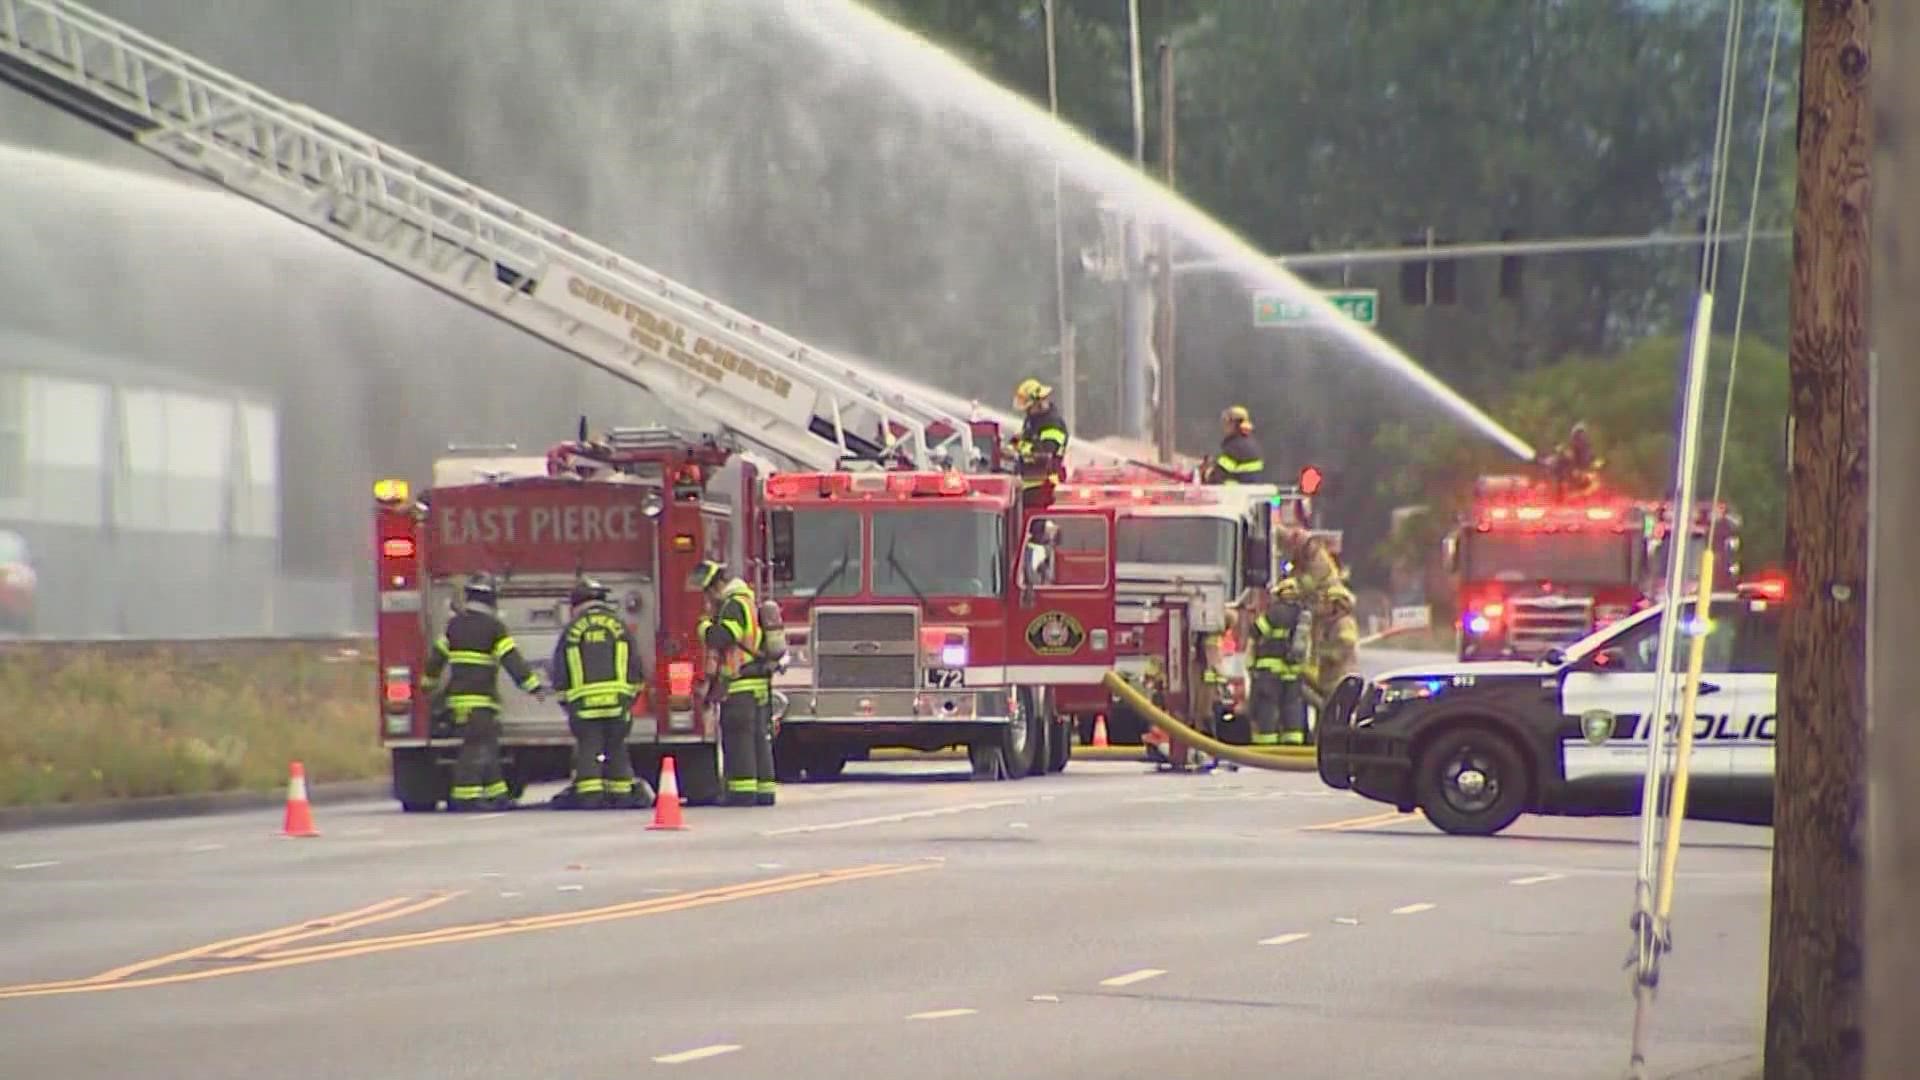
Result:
[[692, 352]]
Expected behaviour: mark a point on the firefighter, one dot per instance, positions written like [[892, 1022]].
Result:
[[744, 684], [1336, 640], [1042, 445], [1283, 645], [1572, 465], [598, 673], [475, 646], [1239, 460]]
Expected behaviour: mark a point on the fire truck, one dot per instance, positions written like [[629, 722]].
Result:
[[930, 608], [1536, 570], [637, 510]]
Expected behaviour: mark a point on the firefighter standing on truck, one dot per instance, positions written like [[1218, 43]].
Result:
[[744, 682], [1042, 444], [1239, 460], [598, 673], [475, 646], [1283, 644]]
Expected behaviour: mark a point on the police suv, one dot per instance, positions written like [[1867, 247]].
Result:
[[1475, 745]]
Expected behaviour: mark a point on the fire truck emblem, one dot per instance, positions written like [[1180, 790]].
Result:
[[1055, 633]]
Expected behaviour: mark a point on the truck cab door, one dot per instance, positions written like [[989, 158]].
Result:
[[1063, 609]]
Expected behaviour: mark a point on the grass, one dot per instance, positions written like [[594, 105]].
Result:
[[113, 721]]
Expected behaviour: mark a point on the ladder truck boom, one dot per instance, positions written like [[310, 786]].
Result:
[[694, 353]]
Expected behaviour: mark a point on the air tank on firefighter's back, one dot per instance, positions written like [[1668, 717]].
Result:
[[186, 297]]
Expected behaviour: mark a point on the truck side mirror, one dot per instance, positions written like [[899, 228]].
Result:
[[1036, 569], [780, 544]]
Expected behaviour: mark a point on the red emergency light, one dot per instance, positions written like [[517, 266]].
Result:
[[399, 547], [1310, 478]]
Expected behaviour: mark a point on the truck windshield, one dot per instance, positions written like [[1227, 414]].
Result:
[[826, 553], [1596, 558], [932, 551], [1169, 541]]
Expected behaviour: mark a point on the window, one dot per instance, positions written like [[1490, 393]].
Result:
[[930, 551], [1595, 557], [1168, 541], [826, 553], [1757, 649], [1080, 553], [1639, 648]]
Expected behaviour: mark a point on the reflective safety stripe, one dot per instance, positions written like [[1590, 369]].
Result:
[[749, 785], [589, 785], [613, 712], [766, 787], [496, 790], [467, 656], [466, 792], [758, 688], [1265, 739], [463, 703], [1293, 738], [1235, 465], [620, 787], [504, 646]]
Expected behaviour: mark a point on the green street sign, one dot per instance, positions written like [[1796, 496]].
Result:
[[1273, 309]]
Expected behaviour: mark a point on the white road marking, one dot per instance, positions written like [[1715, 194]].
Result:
[[1412, 909], [571, 888], [1055, 998], [891, 819], [35, 865], [508, 895], [1132, 977], [491, 875], [942, 1014], [1016, 824], [696, 1054], [199, 848], [1536, 879], [768, 865], [1346, 921], [1284, 939]]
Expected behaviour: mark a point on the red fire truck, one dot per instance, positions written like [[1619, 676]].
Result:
[[927, 609], [637, 510], [1535, 570]]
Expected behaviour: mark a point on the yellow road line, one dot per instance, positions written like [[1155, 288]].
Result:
[[475, 932], [259, 948], [116, 974], [1391, 817]]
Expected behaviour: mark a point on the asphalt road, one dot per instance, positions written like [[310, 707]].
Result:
[[1108, 922]]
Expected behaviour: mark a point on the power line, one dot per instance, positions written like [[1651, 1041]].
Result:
[[1313, 260]]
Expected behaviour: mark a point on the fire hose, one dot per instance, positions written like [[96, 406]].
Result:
[[1282, 759]]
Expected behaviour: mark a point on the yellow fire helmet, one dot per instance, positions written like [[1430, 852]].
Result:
[[1286, 589], [1237, 416], [1030, 391], [1340, 598]]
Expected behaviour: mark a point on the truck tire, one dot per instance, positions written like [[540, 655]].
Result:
[[419, 783], [1471, 781], [1059, 745], [697, 769], [1009, 752], [825, 763]]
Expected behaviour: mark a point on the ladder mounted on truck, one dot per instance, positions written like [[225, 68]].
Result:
[[692, 352]]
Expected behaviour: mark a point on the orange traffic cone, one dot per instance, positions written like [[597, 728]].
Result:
[[299, 812], [1100, 731], [666, 806]]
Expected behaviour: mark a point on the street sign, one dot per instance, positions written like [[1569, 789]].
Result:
[[1273, 309]]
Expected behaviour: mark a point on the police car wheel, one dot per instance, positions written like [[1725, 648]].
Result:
[[1471, 781]]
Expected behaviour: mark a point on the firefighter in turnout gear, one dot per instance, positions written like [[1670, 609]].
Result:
[[1336, 640], [1239, 460], [1282, 648], [474, 648], [744, 684], [1042, 445], [598, 673]]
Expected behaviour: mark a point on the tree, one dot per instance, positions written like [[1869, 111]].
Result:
[[1814, 979]]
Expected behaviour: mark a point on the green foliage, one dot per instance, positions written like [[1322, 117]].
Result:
[[89, 722], [1631, 405]]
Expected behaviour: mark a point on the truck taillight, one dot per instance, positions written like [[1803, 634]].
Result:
[[680, 678], [400, 547], [397, 689]]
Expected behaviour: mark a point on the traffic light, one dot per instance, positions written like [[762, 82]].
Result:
[[1509, 269], [1310, 478]]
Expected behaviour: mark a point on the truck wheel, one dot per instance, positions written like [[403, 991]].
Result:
[[418, 781], [825, 763], [1009, 753], [1059, 745], [697, 769], [1471, 781], [788, 758]]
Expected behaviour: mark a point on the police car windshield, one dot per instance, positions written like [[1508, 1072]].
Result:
[[934, 551], [1171, 541], [1595, 558]]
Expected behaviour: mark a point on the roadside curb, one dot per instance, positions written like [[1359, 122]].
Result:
[[18, 818], [1080, 753]]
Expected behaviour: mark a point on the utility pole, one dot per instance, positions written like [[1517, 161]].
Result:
[[1169, 415], [1067, 373], [1815, 993], [1893, 848]]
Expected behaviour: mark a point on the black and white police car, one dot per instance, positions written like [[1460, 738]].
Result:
[[1475, 745]]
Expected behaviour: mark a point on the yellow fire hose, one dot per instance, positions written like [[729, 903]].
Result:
[[1683, 752], [1283, 759]]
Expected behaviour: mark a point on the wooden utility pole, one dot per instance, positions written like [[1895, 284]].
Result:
[[1893, 852], [1815, 987], [1163, 343]]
